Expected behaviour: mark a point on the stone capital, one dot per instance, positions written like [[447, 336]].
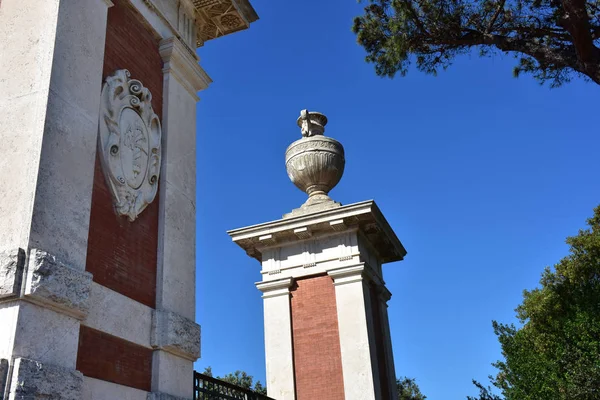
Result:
[[183, 65], [275, 288], [175, 334], [52, 284]]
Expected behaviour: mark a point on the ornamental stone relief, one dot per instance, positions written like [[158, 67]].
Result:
[[129, 143]]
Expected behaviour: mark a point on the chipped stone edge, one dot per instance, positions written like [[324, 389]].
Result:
[[31, 379], [52, 284], [13, 262], [175, 334]]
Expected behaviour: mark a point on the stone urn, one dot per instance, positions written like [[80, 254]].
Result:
[[315, 163]]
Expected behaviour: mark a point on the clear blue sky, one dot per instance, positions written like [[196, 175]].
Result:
[[481, 175]]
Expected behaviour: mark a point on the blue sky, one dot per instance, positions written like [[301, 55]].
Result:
[[481, 175]]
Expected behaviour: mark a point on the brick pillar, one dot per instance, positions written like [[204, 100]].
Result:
[[326, 332]]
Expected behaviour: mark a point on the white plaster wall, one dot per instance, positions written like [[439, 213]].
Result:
[[8, 321], [46, 336], [177, 221], [278, 345], [119, 316], [28, 30], [172, 375], [94, 389]]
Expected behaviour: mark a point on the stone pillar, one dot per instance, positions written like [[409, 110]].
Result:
[[278, 338], [51, 56], [326, 325], [97, 255]]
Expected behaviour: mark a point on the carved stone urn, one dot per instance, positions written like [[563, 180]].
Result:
[[315, 163]]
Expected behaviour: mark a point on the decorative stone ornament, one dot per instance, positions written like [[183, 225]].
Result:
[[130, 143], [315, 163]]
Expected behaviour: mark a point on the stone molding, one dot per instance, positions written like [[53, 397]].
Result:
[[11, 272], [275, 288], [34, 380], [175, 334], [183, 65], [163, 396], [364, 217], [130, 137], [55, 285], [356, 273]]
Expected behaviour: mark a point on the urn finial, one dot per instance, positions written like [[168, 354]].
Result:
[[315, 163]]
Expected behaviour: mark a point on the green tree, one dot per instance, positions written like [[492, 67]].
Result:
[[408, 389], [555, 353], [241, 379], [552, 39]]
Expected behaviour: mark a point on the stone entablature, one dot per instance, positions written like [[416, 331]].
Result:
[[316, 243]]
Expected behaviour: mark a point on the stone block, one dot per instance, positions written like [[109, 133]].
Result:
[[11, 272], [53, 284], [163, 396], [176, 334], [34, 380]]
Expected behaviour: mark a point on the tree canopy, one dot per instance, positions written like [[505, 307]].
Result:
[[408, 389], [553, 40], [555, 353]]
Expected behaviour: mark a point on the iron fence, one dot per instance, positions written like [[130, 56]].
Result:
[[209, 388]]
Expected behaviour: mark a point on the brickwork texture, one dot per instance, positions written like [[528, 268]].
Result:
[[317, 354]]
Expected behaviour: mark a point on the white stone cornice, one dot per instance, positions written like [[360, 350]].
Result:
[[364, 217], [183, 66], [108, 3], [275, 288]]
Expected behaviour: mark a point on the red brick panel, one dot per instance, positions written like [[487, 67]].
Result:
[[316, 341], [122, 255], [112, 359], [379, 344]]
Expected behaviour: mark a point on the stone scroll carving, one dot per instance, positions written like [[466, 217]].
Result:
[[130, 143]]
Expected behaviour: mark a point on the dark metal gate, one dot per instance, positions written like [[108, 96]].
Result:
[[209, 388]]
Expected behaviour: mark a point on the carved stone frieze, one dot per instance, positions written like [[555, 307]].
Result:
[[129, 143]]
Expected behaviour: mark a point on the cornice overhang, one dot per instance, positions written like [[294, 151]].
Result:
[[222, 17], [364, 217]]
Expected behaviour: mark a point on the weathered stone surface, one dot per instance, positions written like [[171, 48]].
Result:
[[11, 272], [32, 380], [176, 334], [3, 374], [52, 283], [163, 396]]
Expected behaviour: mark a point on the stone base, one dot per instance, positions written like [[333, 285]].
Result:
[[314, 204], [33, 380]]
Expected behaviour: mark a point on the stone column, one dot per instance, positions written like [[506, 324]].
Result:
[[356, 333], [384, 297], [51, 56], [176, 335], [278, 338]]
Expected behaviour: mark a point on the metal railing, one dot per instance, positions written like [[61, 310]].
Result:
[[209, 388]]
